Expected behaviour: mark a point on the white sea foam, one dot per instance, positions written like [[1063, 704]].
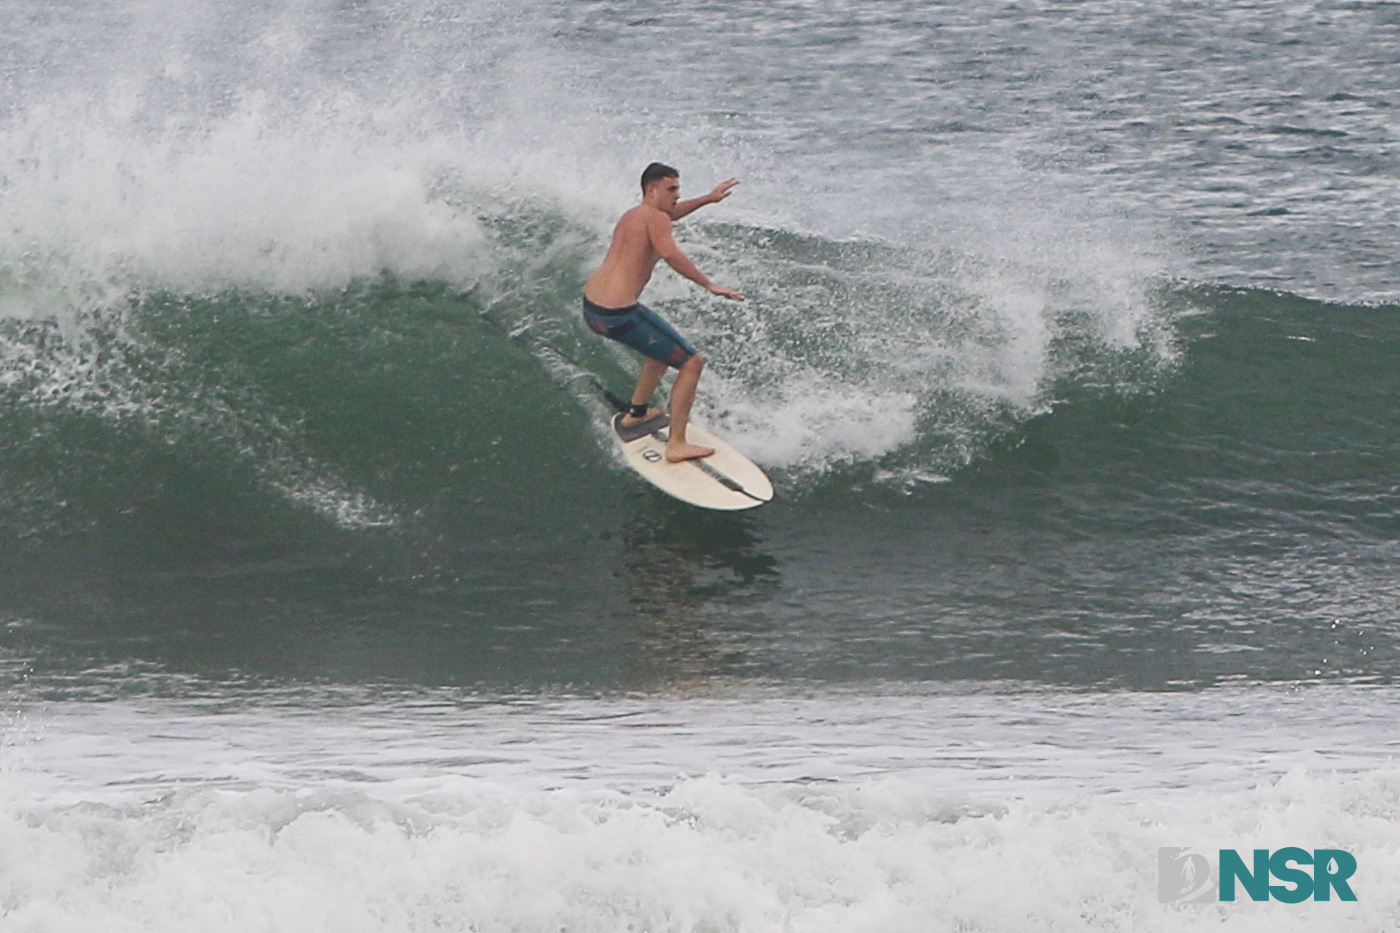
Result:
[[704, 855], [250, 201], [804, 423], [911, 356], [1007, 812], [279, 149]]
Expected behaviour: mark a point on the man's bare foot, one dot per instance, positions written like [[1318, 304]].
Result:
[[628, 421], [677, 452]]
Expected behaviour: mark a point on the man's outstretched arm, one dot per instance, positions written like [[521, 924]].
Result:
[[665, 244], [721, 192]]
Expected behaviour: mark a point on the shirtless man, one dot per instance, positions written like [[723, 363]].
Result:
[[611, 307]]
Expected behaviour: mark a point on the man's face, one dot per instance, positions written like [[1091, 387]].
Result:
[[666, 193]]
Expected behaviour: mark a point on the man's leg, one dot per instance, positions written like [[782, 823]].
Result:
[[682, 395], [652, 371], [654, 338]]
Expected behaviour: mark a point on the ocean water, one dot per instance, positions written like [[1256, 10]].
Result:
[[1070, 346]]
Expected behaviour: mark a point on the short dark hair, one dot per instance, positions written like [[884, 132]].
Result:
[[655, 172]]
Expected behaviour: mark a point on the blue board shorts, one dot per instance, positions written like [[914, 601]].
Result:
[[640, 328]]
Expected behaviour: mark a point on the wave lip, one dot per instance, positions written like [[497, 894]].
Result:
[[252, 202]]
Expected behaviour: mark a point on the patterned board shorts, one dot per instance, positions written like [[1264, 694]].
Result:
[[640, 328]]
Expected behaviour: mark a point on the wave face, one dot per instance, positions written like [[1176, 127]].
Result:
[[420, 455]]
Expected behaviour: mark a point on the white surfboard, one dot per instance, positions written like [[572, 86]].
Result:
[[726, 480]]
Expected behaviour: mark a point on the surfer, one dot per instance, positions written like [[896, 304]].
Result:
[[611, 306]]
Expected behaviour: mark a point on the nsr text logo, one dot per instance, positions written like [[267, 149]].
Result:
[[1185, 877]]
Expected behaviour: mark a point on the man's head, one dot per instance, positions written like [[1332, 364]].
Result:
[[661, 187], [656, 172]]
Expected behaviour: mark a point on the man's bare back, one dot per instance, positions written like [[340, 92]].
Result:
[[641, 238]]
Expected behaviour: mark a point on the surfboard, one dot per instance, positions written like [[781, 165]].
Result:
[[726, 480]]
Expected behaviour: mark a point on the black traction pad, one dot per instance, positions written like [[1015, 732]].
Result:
[[641, 428]]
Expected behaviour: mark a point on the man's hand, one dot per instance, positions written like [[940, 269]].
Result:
[[684, 208], [730, 293], [722, 190]]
